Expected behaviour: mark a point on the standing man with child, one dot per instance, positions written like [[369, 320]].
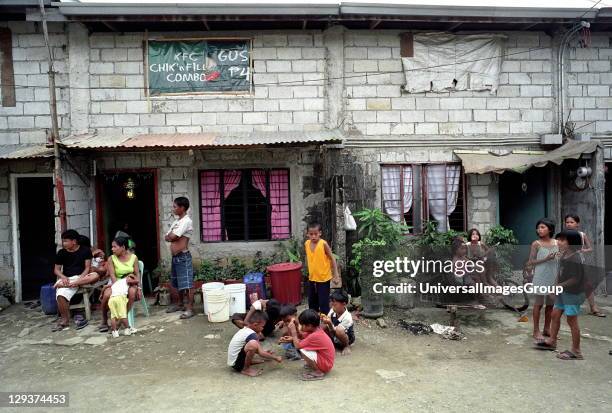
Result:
[[182, 267]]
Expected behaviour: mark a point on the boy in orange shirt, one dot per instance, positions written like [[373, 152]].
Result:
[[321, 266]]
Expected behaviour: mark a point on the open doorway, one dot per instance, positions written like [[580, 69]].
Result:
[[127, 201], [34, 234], [523, 200]]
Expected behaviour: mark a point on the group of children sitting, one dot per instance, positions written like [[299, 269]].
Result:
[[311, 336]]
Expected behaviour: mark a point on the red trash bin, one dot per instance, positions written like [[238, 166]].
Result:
[[286, 281]]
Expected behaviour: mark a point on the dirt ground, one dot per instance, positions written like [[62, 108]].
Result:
[[175, 365]]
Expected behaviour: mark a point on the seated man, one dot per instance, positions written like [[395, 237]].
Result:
[[72, 262]]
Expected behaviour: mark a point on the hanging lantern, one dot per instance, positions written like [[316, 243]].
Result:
[[130, 186]]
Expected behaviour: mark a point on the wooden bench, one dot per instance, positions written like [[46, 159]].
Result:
[[87, 291]]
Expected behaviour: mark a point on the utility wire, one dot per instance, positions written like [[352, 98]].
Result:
[[592, 7]]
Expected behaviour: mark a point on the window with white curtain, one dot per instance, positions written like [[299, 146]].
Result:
[[413, 194]]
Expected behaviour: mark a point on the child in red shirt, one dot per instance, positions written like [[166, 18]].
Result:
[[317, 348]]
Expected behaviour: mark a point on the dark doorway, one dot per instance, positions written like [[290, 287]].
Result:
[[36, 234], [522, 202], [127, 201]]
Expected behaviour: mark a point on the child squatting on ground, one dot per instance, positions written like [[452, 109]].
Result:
[[288, 314], [338, 324], [321, 266], [317, 348], [245, 344], [118, 304], [571, 278]]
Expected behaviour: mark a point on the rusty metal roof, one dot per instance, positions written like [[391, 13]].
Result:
[[199, 140], [25, 151]]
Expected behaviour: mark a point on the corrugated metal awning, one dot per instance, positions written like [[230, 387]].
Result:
[[481, 162], [25, 151], [199, 140]]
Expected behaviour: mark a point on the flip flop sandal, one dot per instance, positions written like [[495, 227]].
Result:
[[102, 329], [81, 324], [311, 377], [568, 355], [174, 309], [186, 315], [597, 314], [542, 345], [60, 327]]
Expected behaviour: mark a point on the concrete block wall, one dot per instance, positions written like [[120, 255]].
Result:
[[289, 91], [28, 121], [589, 78], [482, 201], [178, 176], [79, 197], [376, 105]]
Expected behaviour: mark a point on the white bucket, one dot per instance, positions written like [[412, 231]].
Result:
[[218, 306], [207, 288], [237, 298]]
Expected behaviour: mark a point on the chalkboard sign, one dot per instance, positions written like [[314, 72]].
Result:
[[195, 66]]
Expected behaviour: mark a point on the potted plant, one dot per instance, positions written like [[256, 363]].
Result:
[[163, 277], [378, 234], [234, 271], [209, 271]]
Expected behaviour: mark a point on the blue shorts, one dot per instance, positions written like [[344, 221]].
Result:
[[182, 271], [569, 303]]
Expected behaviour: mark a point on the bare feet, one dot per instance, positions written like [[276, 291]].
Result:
[[251, 372], [537, 336], [346, 351]]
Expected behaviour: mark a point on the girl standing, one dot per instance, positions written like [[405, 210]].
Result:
[[572, 222], [543, 263]]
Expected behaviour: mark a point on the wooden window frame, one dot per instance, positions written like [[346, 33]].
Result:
[[422, 190]]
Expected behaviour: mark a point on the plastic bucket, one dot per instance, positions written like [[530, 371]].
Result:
[[218, 306], [206, 289], [255, 283], [286, 282], [237, 298], [47, 299]]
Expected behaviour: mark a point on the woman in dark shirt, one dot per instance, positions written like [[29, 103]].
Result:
[[571, 278]]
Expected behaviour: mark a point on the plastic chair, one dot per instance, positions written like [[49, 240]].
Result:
[[143, 301]]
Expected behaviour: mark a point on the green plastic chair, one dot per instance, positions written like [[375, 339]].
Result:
[[143, 301]]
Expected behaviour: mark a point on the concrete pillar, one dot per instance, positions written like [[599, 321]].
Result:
[[334, 43], [78, 63]]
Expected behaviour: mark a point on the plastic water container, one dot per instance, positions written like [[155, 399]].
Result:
[[255, 283], [218, 306], [237, 298], [286, 282], [47, 299], [206, 289]]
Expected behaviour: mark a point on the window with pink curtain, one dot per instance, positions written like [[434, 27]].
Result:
[[210, 193], [280, 222], [273, 186]]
